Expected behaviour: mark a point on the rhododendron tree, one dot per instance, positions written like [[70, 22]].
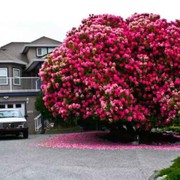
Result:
[[117, 70]]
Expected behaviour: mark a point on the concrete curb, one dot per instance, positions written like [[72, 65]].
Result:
[[154, 176]]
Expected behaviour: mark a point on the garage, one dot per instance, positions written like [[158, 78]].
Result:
[[14, 105]]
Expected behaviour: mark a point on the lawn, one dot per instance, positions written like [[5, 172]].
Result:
[[172, 172]]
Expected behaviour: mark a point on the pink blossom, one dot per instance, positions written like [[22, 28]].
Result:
[[94, 140], [110, 67]]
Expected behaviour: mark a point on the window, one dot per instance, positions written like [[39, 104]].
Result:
[[10, 106], [2, 106], [50, 50], [18, 105], [3, 76], [16, 76], [41, 51]]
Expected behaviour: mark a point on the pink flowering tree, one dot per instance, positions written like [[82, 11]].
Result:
[[156, 69], [119, 71]]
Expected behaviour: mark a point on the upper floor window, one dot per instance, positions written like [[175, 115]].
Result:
[[43, 51], [50, 50], [3, 76], [16, 76]]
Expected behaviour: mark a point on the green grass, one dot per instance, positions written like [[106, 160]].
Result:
[[173, 172]]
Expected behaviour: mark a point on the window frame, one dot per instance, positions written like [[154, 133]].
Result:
[[47, 49], [6, 76], [17, 77], [41, 54]]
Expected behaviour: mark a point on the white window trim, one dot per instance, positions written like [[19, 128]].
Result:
[[16, 77], [42, 54], [37, 52], [6, 76]]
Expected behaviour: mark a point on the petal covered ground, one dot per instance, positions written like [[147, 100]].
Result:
[[94, 140]]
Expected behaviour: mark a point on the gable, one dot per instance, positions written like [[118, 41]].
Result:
[[45, 40]]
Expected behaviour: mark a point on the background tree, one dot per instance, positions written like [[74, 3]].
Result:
[[39, 105], [45, 113]]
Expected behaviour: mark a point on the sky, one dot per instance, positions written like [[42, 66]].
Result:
[[26, 21]]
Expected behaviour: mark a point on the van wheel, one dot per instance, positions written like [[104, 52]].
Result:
[[25, 134]]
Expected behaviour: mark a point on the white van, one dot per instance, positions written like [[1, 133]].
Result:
[[12, 122]]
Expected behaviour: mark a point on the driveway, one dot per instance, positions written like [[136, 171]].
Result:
[[20, 160]]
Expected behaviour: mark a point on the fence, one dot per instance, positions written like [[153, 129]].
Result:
[[20, 84]]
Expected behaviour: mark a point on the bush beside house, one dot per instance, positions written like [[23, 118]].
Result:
[[125, 72]]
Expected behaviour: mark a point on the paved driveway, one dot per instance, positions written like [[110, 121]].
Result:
[[19, 160]]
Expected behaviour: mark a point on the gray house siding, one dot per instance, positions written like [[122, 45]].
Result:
[[22, 95], [31, 54]]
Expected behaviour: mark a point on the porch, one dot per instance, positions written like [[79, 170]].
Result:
[[20, 84]]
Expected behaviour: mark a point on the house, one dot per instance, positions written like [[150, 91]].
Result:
[[19, 82]]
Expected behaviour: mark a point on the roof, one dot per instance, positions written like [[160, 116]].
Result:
[[45, 40], [15, 52], [11, 55], [41, 42]]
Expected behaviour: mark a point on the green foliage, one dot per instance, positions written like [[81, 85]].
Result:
[[92, 123], [39, 105], [172, 128], [173, 172], [175, 129], [70, 122]]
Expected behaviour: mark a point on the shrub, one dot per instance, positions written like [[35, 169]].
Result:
[[116, 70], [39, 105]]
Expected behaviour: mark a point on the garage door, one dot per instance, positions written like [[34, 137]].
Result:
[[20, 106]]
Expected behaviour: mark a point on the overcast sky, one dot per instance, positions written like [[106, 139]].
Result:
[[23, 20]]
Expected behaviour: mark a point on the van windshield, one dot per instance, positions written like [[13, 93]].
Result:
[[10, 113]]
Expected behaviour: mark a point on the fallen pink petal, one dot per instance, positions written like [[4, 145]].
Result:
[[94, 140]]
